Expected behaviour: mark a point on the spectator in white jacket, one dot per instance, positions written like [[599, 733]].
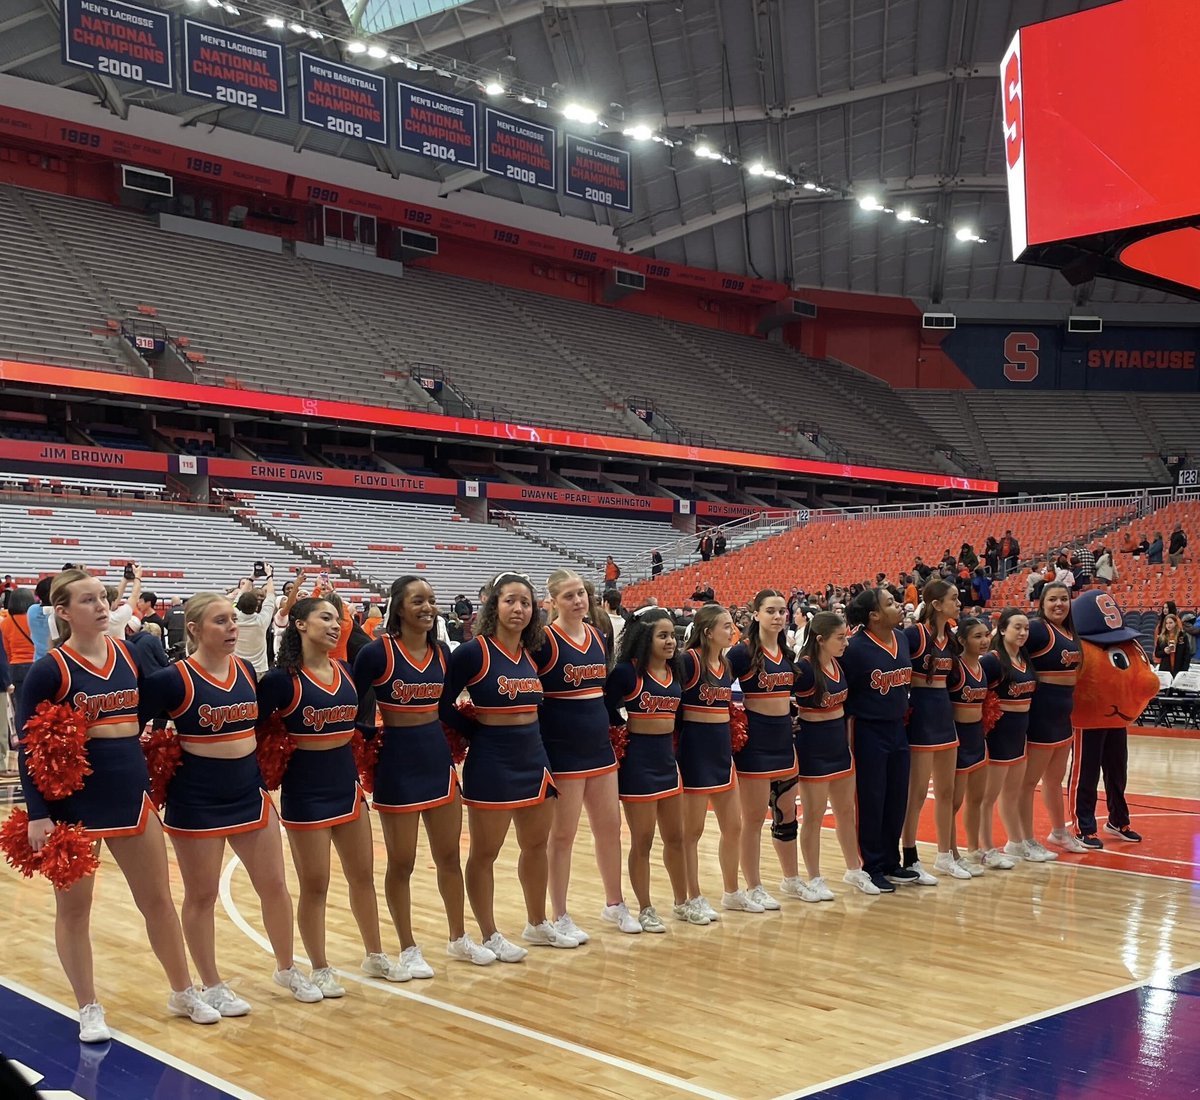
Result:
[[254, 617]]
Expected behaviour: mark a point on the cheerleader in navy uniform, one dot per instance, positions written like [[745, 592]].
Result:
[[216, 794], [321, 801], [931, 733], [506, 776], [968, 690], [1056, 655], [415, 779], [1011, 676], [825, 764], [646, 685], [572, 664], [97, 675], [763, 666], [706, 758], [878, 671]]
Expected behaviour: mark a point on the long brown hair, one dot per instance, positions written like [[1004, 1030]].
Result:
[[935, 590], [753, 636], [60, 596], [823, 625], [701, 624]]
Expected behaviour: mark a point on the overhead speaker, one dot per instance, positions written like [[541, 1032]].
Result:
[[1085, 324], [939, 320]]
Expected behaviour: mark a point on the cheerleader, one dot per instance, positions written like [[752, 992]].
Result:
[[216, 794], [506, 777], [767, 762], [705, 758], [415, 779], [968, 690], [878, 670], [646, 684], [1055, 652], [321, 801], [931, 733], [1010, 675], [572, 664], [97, 676], [826, 767]]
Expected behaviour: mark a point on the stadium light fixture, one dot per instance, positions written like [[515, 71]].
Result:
[[965, 233], [409, 63], [214, 3], [494, 87], [528, 99], [274, 22], [356, 47], [704, 150], [576, 112], [313, 33], [639, 132], [377, 52], [757, 169], [295, 28], [231, 9], [869, 202]]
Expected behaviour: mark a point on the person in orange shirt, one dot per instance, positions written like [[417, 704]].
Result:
[[14, 630], [910, 592]]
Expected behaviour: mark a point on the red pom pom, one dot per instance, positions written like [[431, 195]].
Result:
[[991, 711], [468, 711], [739, 727], [275, 748], [55, 741], [68, 855], [14, 843], [619, 736], [457, 742], [163, 754], [366, 756]]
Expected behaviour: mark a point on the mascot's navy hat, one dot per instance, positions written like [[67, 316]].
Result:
[[1098, 619]]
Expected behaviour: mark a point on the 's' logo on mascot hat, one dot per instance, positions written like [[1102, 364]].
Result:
[[1115, 680], [1098, 619]]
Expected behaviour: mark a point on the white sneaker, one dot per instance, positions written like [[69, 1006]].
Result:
[[861, 880], [948, 865], [225, 1001], [972, 867], [796, 887], [325, 978], [466, 949], [650, 921], [1043, 852], [547, 935], [187, 1002], [505, 951], [92, 1026], [702, 906], [996, 860], [820, 887], [740, 902], [1067, 841], [924, 878], [687, 912], [301, 986], [378, 965], [1015, 849], [620, 915], [565, 926], [759, 895], [412, 958]]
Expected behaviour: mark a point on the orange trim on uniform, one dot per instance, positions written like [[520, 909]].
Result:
[[506, 710], [413, 807], [189, 690], [487, 663], [718, 789], [230, 680], [390, 661], [110, 662], [891, 650], [686, 710], [606, 770], [829, 778], [973, 767], [214, 738], [429, 650], [934, 748], [128, 830], [297, 695], [114, 720], [660, 795], [330, 822], [574, 693], [588, 637], [514, 657], [1066, 677], [1048, 744], [774, 773], [329, 689], [64, 675], [669, 681], [538, 799], [1006, 763], [260, 822]]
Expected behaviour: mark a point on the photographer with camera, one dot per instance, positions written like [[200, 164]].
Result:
[[121, 614], [254, 614]]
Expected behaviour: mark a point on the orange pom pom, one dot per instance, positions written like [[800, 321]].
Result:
[[68, 855], [55, 743], [275, 748], [739, 727], [163, 755], [366, 757], [991, 711], [14, 843], [458, 742], [619, 736]]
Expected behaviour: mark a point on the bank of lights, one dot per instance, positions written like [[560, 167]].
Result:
[[966, 233], [905, 214]]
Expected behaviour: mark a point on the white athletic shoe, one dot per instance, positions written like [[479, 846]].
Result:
[[92, 1026], [504, 950], [761, 897], [861, 880], [378, 965], [973, 867], [466, 949], [702, 906], [301, 986], [796, 887], [1043, 852], [1017, 849], [412, 958], [995, 860], [1067, 841], [225, 1001], [650, 921], [740, 902], [547, 935], [948, 865], [187, 1002], [924, 878], [620, 915], [820, 887], [325, 978], [689, 913], [565, 926]]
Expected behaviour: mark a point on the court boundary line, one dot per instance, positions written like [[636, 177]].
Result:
[[612, 1060], [140, 1045], [986, 1033]]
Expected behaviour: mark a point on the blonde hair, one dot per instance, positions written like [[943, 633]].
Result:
[[193, 613], [554, 585], [60, 596]]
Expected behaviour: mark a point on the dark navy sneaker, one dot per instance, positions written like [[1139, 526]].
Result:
[[903, 876], [1124, 832], [1090, 840], [882, 885]]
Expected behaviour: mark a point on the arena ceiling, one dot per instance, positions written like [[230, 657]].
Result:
[[894, 98]]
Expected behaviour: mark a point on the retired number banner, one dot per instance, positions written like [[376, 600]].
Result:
[[520, 150], [597, 173], [343, 100], [233, 68], [118, 40]]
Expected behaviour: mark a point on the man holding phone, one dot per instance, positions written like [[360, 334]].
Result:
[[254, 617]]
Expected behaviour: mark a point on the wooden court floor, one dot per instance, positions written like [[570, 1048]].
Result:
[[757, 1007]]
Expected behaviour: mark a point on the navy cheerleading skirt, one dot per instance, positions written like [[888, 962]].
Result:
[[414, 770], [705, 757], [210, 796], [972, 750], [648, 769], [1006, 742], [823, 749], [320, 789], [506, 768], [770, 748], [114, 800], [575, 735], [1050, 716], [931, 723]]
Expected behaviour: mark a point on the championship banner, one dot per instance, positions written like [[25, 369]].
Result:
[[119, 40], [233, 68], [343, 100], [597, 173], [443, 127], [237, 470], [577, 498], [520, 150]]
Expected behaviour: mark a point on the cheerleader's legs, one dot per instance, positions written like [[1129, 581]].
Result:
[[937, 765], [443, 827], [729, 821], [598, 794], [754, 796], [1052, 786], [72, 937], [533, 824], [1003, 793], [641, 817], [843, 797], [969, 791]]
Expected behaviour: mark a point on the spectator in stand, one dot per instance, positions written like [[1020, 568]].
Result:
[[719, 544], [14, 630], [981, 588], [463, 608], [968, 557], [1084, 567], [612, 572], [921, 570], [153, 623], [1063, 573], [1176, 546], [612, 603], [40, 618], [1137, 549], [991, 556], [121, 615], [1106, 572], [910, 594], [1035, 581], [656, 563], [963, 583], [1171, 646], [704, 592], [253, 617], [705, 547], [372, 627], [1010, 551], [1154, 552]]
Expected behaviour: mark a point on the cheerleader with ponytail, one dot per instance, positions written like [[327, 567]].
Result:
[[968, 693]]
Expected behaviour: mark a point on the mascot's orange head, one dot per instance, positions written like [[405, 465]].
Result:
[[1116, 680]]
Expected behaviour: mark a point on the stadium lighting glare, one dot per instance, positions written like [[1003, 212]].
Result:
[[409, 63], [966, 233], [526, 99], [904, 214], [214, 3], [757, 169], [295, 28], [494, 87], [312, 32], [869, 202], [356, 47], [809, 185], [640, 132], [274, 22], [377, 52], [231, 9], [394, 58], [576, 112], [704, 150]]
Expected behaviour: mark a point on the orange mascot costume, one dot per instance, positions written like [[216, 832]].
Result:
[[1115, 684]]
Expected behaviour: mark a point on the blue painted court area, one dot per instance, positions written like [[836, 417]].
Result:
[[48, 1043], [1143, 1044]]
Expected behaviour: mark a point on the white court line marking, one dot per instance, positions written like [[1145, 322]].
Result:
[[1169, 813], [137, 1044], [478, 1017], [987, 1033]]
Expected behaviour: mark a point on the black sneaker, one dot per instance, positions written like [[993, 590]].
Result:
[[903, 876], [882, 884], [1090, 840], [1124, 832]]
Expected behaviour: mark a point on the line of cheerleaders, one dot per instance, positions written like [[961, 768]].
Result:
[[858, 721]]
